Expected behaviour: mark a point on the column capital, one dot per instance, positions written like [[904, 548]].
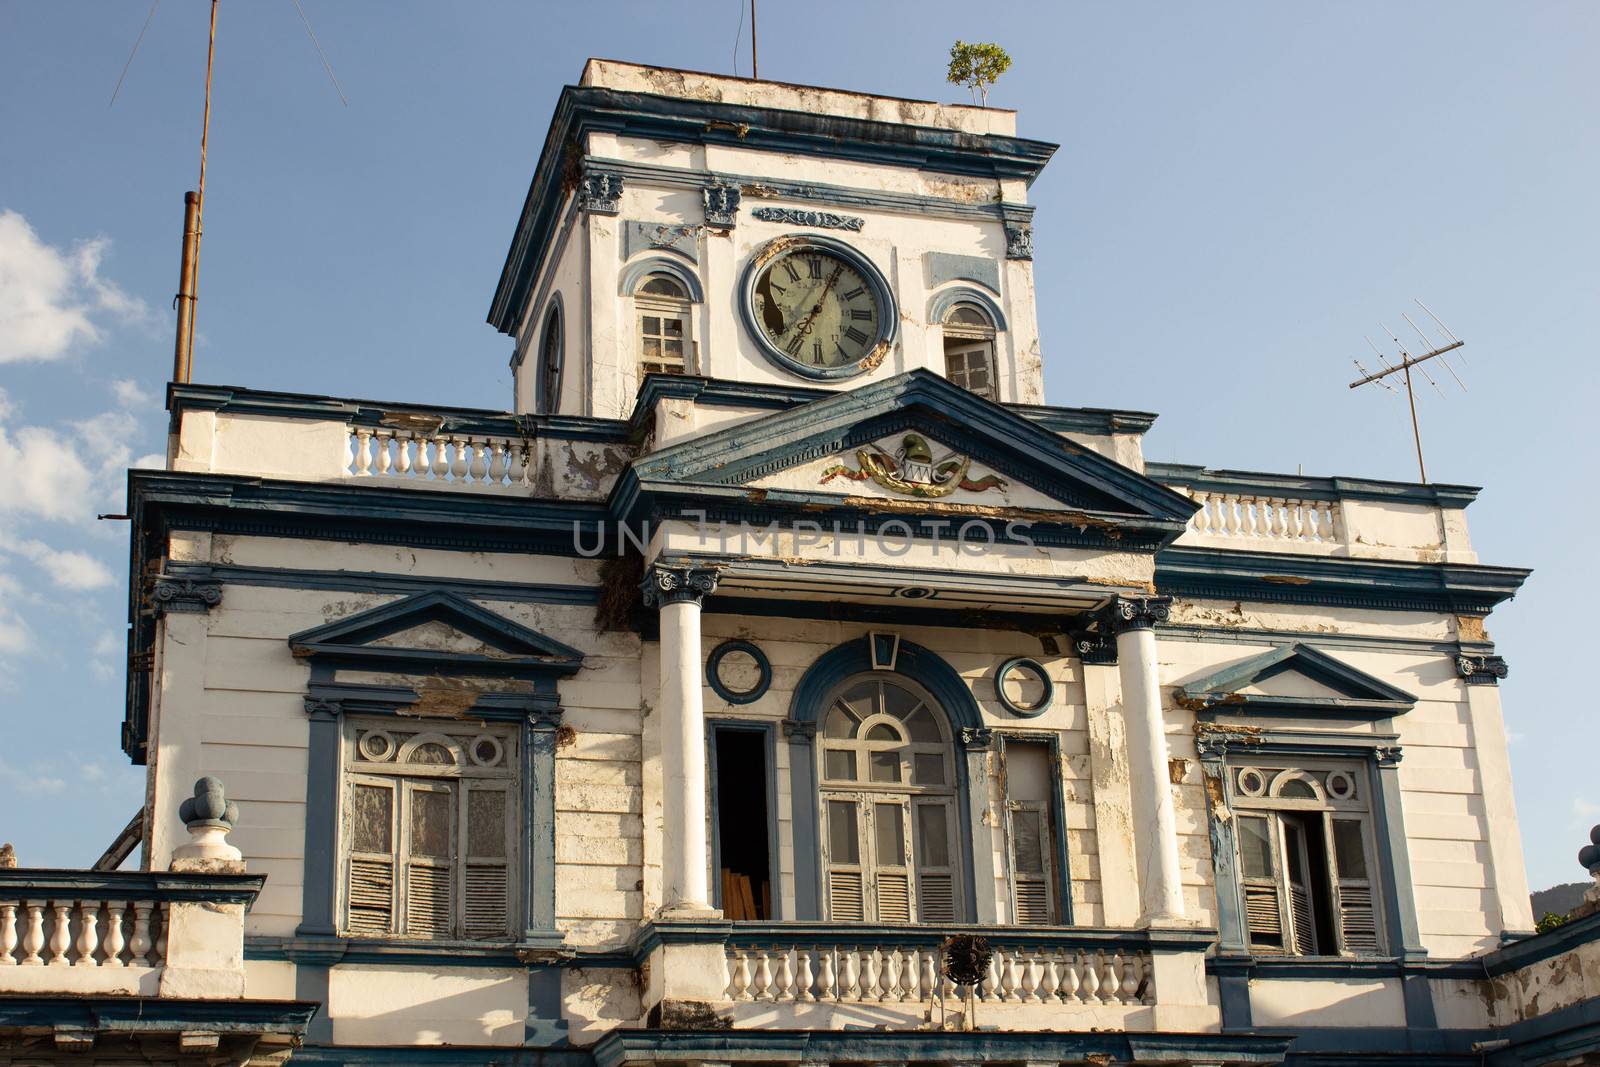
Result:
[[1136, 613], [1477, 668], [1096, 647], [675, 583], [171, 595]]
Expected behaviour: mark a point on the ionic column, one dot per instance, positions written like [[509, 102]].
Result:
[[1155, 828], [677, 589]]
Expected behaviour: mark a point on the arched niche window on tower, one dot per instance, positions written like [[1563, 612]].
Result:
[[665, 327], [888, 799], [969, 349], [547, 397]]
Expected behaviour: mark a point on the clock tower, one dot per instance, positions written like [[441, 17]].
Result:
[[769, 234]]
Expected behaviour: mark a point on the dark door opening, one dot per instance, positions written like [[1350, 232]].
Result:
[[743, 848]]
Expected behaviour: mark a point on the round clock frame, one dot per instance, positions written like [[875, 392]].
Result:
[[769, 255]]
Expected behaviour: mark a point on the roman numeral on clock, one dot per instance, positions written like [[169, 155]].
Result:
[[857, 291], [788, 268], [814, 266], [861, 316], [793, 347], [855, 334]]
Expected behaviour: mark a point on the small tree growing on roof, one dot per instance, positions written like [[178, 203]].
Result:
[[977, 66]]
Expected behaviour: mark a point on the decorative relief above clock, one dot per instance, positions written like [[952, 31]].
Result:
[[911, 470], [823, 220]]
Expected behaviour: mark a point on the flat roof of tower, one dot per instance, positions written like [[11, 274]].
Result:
[[818, 100]]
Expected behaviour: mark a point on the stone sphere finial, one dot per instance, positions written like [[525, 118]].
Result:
[[209, 815], [209, 806], [1589, 855]]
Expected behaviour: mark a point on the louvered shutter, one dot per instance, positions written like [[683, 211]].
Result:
[[842, 859], [1264, 917], [1302, 921], [1258, 866], [936, 875], [1358, 918], [486, 888], [1030, 840], [369, 885], [891, 847], [429, 859]]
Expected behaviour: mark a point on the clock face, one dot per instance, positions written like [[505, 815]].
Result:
[[818, 310]]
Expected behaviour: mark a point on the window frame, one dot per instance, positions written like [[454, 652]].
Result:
[[966, 339], [1058, 862], [551, 360], [660, 306], [1389, 871], [459, 780]]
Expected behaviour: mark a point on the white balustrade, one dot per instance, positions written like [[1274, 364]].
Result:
[[458, 460], [1266, 518], [911, 973], [82, 933]]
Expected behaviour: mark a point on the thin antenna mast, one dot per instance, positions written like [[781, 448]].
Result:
[[1403, 367], [755, 67], [193, 216]]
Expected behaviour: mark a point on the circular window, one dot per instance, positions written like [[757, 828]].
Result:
[[1023, 687], [817, 307], [375, 745], [1252, 783], [738, 672], [1341, 786], [486, 751]]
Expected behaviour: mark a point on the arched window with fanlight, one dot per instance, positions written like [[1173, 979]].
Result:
[[888, 805], [969, 362], [665, 327]]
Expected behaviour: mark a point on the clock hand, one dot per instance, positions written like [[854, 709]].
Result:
[[805, 324]]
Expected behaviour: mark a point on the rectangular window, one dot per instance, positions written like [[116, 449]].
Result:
[[1304, 838], [428, 833], [970, 364], [1030, 833], [662, 340]]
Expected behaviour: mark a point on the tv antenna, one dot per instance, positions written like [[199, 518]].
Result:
[[1434, 349]]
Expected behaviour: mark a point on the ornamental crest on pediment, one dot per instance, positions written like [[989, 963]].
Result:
[[911, 470]]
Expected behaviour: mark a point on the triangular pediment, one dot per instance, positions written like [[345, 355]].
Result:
[[436, 631], [918, 441], [1296, 680]]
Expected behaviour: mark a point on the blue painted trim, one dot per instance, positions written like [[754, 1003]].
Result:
[[1302, 487], [1034, 667], [324, 762], [112, 1016], [1539, 947], [1394, 867], [539, 819], [311, 980], [1381, 585], [945, 267], [769, 732], [888, 309], [582, 110], [236, 400], [415, 955], [923, 668], [326, 1055], [378, 582], [942, 301], [546, 402], [547, 1024], [710, 391], [714, 663], [636, 272]]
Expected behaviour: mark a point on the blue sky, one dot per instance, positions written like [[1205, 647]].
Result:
[[1243, 191]]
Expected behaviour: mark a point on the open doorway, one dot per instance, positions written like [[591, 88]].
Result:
[[743, 843]]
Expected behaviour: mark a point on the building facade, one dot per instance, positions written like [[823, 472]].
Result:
[[783, 682]]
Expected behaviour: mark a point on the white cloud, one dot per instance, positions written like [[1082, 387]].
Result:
[[70, 570], [41, 476], [151, 461], [7, 408], [130, 394], [1585, 809], [32, 780], [51, 298]]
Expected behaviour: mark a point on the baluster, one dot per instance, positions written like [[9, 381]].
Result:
[[1335, 528], [1293, 519], [893, 973], [741, 976], [871, 970], [139, 944], [60, 933], [991, 979], [1200, 521], [1070, 982], [1031, 975], [827, 983], [441, 458], [911, 974], [1230, 514], [88, 934], [458, 458], [1011, 978], [497, 461], [380, 451], [1147, 978], [784, 990], [477, 460], [930, 974], [763, 989], [1051, 985], [1110, 984], [402, 454], [807, 978], [1089, 992], [8, 934], [363, 452], [1130, 977], [33, 937], [850, 976], [114, 941]]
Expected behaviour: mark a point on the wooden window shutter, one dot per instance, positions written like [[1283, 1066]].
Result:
[[1358, 917], [1030, 836], [486, 883], [842, 859], [369, 885], [935, 859], [1258, 869], [429, 854]]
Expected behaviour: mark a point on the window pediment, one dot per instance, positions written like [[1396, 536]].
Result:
[[1296, 680]]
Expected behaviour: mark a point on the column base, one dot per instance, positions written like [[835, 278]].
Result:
[[685, 912]]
